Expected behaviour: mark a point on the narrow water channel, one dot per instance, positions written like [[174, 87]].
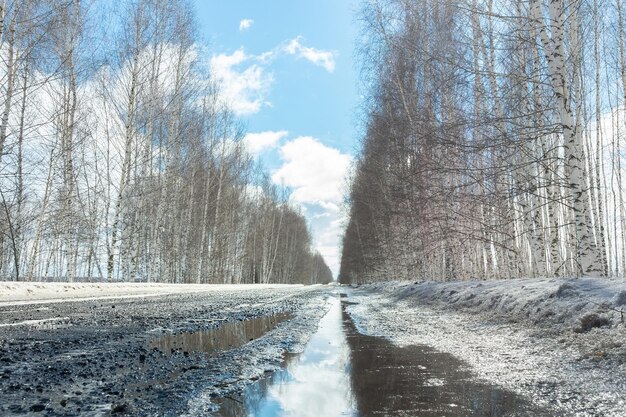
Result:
[[345, 373], [313, 383]]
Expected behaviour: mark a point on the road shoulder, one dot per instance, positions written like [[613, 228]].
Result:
[[531, 344]]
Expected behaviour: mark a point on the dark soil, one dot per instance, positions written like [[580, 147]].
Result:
[[98, 357]]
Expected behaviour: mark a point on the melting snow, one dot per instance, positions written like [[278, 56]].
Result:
[[525, 335]]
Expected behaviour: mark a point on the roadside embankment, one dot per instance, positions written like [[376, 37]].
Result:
[[560, 342]]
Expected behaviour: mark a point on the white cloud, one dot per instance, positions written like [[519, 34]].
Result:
[[330, 207], [316, 175], [259, 142], [244, 83], [246, 80], [245, 24], [325, 59], [314, 171], [327, 234]]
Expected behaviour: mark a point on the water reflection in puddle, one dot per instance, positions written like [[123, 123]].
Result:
[[344, 373], [420, 381], [315, 383], [229, 335]]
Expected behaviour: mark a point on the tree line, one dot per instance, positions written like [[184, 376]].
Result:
[[492, 141], [119, 160]]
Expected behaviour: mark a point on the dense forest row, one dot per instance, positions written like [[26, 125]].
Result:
[[492, 144], [120, 161]]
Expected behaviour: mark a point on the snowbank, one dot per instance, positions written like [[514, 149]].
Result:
[[560, 342], [559, 303], [12, 292]]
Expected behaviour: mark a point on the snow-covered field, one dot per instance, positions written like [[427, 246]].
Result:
[[535, 336], [12, 292]]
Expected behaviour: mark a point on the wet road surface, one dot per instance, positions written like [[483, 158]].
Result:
[[170, 355], [314, 383], [345, 373], [145, 356], [229, 335]]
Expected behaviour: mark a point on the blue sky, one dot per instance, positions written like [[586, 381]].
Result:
[[287, 69]]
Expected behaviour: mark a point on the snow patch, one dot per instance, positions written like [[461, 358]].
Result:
[[23, 293], [519, 334]]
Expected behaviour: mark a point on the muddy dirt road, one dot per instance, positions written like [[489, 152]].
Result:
[[139, 355], [277, 351]]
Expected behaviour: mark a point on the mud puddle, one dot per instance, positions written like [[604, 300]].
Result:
[[229, 335], [345, 373]]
